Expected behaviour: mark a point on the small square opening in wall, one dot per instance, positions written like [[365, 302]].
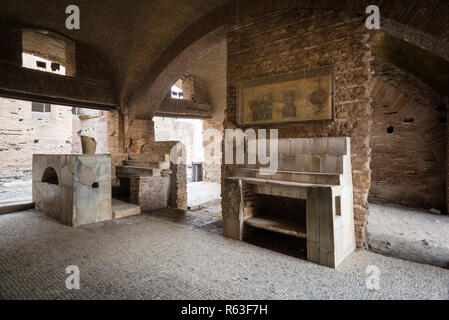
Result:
[[55, 67], [41, 64], [40, 107]]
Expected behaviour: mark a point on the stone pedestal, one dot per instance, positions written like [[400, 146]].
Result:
[[74, 189]]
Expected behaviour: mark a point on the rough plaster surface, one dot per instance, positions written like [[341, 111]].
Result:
[[409, 234], [199, 193], [148, 257]]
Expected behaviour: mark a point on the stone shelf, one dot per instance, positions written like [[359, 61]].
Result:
[[126, 171], [277, 182], [278, 224]]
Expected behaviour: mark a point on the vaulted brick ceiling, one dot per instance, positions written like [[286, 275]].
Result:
[[129, 34], [133, 36]]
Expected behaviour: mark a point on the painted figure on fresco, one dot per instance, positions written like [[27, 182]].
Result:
[[289, 109], [262, 109], [318, 98]]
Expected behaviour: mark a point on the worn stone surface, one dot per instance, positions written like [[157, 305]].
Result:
[[410, 234], [24, 133], [122, 209], [148, 257], [150, 193]]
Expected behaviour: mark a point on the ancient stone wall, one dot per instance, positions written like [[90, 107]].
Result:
[[408, 141], [293, 40], [23, 133], [115, 144], [150, 193], [212, 154], [178, 178], [97, 122], [140, 133]]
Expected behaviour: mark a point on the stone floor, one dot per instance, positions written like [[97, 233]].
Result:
[[173, 255], [201, 192], [409, 234]]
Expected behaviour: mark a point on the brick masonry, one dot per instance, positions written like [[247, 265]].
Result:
[[212, 159], [408, 141], [293, 40], [24, 133], [178, 178], [149, 193]]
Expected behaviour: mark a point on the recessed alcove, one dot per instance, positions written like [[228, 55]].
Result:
[[50, 176]]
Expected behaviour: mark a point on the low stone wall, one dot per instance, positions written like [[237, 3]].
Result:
[[150, 193], [178, 179]]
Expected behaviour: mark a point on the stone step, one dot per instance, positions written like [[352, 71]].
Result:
[[137, 171], [14, 206], [145, 164], [150, 157], [121, 209], [302, 177]]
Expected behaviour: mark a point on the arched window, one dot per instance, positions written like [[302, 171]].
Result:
[[50, 176]]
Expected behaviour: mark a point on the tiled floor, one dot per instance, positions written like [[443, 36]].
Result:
[[171, 256]]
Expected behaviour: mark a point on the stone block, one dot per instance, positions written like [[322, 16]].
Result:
[[81, 192]]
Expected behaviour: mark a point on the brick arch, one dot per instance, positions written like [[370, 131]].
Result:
[[408, 162], [413, 22]]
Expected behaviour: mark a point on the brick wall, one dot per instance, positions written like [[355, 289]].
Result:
[[293, 40], [23, 133], [99, 125], [113, 131], [408, 141], [140, 133], [193, 89], [149, 193], [213, 155], [178, 178]]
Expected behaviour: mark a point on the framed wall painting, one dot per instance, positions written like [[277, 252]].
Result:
[[287, 98]]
